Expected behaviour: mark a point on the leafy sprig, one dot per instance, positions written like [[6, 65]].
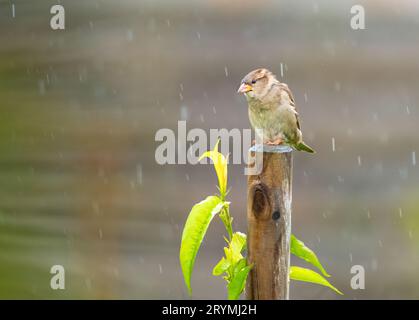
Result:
[[233, 266]]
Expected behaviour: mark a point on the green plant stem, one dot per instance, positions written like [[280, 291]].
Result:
[[226, 219]]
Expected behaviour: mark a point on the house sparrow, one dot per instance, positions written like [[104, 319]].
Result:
[[272, 109]]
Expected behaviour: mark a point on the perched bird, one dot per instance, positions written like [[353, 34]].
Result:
[[272, 109]]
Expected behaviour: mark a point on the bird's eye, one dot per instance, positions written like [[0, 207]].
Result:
[[253, 81]]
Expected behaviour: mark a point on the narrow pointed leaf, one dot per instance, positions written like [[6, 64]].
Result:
[[242, 263], [238, 243], [299, 249], [236, 285], [220, 165], [193, 233], [307, 275], [221, 267]]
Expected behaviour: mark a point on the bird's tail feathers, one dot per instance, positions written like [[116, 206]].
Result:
[[303, 147]]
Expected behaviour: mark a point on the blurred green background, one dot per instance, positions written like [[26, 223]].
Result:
[[79, 185]]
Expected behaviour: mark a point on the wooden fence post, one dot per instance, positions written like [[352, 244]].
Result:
[[269, 225]]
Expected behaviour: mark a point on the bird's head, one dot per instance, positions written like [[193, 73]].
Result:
[[257, 83]]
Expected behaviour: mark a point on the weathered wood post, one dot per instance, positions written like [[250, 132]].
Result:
[[269, 224]]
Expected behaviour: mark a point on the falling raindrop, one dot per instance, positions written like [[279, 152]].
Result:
[[180, 96], [82, 75], [414, 158], [100, 233], [368, 214], [359, 161], [130, 35], [214, 110], [305, 97], [201, 117], [333, 144], [400, 212], [13, 10], [187, 177], [198, 35], [282, 70], [226, 71], [407, 110], [350, 257], [160, 268], [337, 86]]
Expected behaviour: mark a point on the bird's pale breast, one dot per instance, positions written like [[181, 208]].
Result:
[[278, 121]]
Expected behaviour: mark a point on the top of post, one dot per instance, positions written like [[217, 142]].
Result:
[[269, 148]]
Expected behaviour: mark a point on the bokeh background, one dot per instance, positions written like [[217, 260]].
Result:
[[79, 184]]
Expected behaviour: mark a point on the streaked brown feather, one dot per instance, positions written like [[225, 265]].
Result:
[[285, 87]]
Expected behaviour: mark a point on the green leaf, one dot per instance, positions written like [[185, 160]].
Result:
[[220, 165], [307, 275], [238, 242], [299, 249], [221, 267], [236, 245], [239, 266], [193, 233], [236, 285]]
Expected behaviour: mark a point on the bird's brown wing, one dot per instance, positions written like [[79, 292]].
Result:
[[284, 87]]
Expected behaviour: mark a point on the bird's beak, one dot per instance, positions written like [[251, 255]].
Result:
[[244, 87]]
